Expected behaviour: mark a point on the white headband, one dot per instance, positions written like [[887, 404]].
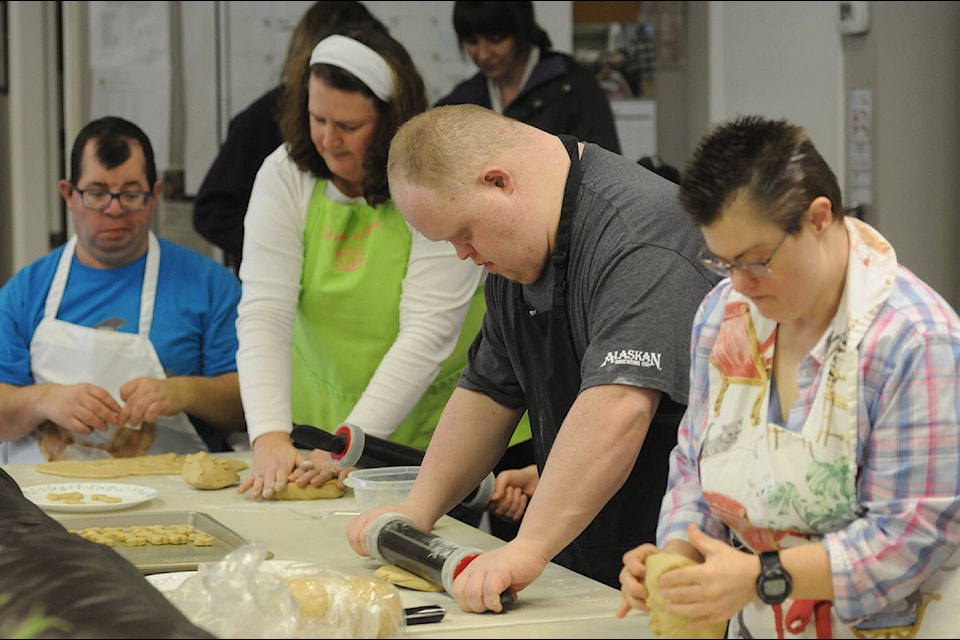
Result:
[[360, 60]]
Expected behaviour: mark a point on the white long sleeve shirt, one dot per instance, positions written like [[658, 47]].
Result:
[[437, 291]]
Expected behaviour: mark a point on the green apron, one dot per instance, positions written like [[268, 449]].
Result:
[[348, 316]]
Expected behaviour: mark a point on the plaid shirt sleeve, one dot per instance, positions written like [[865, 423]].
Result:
[[908, 454]]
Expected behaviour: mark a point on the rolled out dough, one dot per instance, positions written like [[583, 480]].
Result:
[[291, 491], [156, 465], [670, 625], [403, 578]]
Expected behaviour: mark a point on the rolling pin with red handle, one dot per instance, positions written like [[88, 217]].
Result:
[[349, 446], [393, 539]]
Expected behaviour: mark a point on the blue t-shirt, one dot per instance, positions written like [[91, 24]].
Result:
[[194, 318]]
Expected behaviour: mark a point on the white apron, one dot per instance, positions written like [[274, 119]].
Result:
[[792, 487], [66, 353]]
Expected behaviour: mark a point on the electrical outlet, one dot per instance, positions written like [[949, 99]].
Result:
[[854, 17]]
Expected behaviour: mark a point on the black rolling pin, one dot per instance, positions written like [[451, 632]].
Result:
[[349, 446], [393, 539]]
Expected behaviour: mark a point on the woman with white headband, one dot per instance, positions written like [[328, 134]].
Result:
[[347, 314]]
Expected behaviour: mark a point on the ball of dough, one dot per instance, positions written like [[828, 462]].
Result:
[[383, 600], [670, 625], [311, 594], [203, 471], [291, 491], [368, 607]]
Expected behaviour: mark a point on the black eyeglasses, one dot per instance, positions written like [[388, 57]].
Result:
[[758, 269], [99, 200]]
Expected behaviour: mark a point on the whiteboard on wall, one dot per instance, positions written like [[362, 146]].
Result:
[[131, 71]]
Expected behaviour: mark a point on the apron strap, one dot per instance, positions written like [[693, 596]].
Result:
[[148, 290], [59, 282], [569, 208]]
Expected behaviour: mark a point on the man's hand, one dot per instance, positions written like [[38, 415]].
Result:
[[511, 568], [146, 399], [80, 407]]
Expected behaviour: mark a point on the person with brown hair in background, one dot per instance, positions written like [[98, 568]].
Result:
[[221, 202]]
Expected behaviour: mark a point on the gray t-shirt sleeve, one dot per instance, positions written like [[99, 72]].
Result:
[[638, 326]]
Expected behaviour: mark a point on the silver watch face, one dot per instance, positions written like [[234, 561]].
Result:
[[775, 587]]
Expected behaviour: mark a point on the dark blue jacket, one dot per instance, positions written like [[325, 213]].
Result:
[[561, 96]]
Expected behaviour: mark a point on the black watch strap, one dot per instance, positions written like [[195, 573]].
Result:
[[774, 584]]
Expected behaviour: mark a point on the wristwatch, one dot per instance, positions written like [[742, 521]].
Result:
[[774, 584]]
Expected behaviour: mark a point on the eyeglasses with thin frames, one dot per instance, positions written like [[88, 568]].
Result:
[[757, 269], [99, 200]]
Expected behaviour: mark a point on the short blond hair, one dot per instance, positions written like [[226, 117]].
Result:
[[445, 147]]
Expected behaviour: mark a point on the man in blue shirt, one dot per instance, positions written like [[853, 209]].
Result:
[[117, 343]]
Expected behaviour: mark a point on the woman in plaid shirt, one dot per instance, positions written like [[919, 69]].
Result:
[[826, 375]]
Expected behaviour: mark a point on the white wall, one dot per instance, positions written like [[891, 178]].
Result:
[[780, 59], [33, 159]]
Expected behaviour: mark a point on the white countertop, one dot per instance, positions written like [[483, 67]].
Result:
[[559, 604]]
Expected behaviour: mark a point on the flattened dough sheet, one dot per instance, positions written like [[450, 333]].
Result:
[[403, 578], [157, 465]]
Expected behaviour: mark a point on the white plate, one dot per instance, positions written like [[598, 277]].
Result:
[[129, 495], [166, 583]]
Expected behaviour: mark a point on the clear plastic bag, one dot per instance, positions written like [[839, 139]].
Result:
[[240, 598]]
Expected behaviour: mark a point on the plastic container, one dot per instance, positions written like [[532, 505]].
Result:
[[381, 486]]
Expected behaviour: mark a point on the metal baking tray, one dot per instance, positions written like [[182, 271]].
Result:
[[166, 558]]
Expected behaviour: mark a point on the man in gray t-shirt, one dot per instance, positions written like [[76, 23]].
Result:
[[592, 288]]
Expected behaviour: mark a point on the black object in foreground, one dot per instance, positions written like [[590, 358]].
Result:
[[425, 614], [56, 584]]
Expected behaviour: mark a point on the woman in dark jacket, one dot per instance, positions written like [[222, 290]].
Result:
[[521, 76]]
